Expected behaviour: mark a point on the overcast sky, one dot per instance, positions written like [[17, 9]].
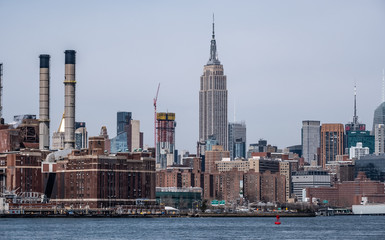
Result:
[[285, 61]]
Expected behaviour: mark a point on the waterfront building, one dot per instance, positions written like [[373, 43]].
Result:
[[264, 187], [305, 179], [348, 193], [95, 179], [379, 139], [285, 169], [310, 140], [237, 140], [213, 99], [332, 139], [182, 198], [229, 186], [21, 170]]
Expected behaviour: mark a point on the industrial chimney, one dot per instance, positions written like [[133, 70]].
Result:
[[44, 102], [69, 100]]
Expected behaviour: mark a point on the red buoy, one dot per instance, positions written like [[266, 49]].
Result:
[[277, 222]]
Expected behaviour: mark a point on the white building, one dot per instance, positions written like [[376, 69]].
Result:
[[358, 151], [307, 179]]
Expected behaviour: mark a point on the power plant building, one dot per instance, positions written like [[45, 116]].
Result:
[[213, 99], [104, 180]]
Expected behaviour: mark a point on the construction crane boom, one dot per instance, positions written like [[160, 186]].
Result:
[[155, 101]]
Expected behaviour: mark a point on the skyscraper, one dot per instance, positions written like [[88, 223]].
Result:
[[122, 120], [379, 113], [379, 135], [332, 139], [213, 99], [165, 138], [311, 137], [237, 140]]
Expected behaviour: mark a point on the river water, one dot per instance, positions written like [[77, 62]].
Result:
[[334, 227]]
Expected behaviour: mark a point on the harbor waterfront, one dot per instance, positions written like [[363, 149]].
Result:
[[169, 215], [336, 227]]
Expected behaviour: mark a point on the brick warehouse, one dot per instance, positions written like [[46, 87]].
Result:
[[21, 171], [349, 193], [92, 178]]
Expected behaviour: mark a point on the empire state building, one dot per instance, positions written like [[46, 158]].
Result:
[[213, 99]]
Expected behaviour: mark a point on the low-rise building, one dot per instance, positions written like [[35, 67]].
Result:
[[348, 193], [305, 179]]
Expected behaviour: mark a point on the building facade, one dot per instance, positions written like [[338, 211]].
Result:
[[364, 137], [305, 179], [373, 166], [358, 151], [237, 140], [311, 138], [349, 193], [165, 138], [216, 154], [332, 142], [95, 179], [213, 99], [379, 115], [379, 139]]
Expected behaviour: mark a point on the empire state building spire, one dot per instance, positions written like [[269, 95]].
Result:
[[213, 50], [213, 100]]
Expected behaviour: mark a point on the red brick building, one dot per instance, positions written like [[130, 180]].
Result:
[[349, 193], [264, 187], [92, 178], [21, 171], [211, 157]]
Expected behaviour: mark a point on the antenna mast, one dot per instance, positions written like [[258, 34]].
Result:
[[355, 118]]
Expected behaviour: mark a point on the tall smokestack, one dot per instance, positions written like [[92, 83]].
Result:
[[44, 102], [1, 94], [69, 100]]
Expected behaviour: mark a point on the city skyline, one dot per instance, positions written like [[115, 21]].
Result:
[[279, 65]]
